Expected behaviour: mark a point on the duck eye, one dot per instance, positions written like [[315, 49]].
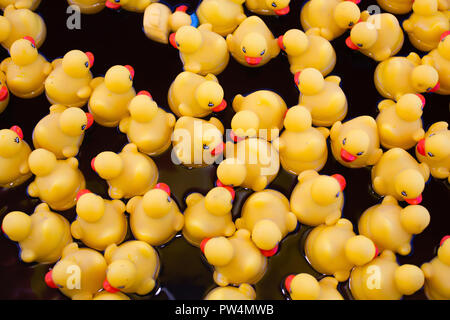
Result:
[[404, 194], [360, 153], [177, 44], [168, 199], [59, 286], [243, 50], [430, 154], [83, 127], [17, 140], [32, 45], [262, 52], [429, 89], [359, 45], [344, 141], [431, 134], [351, 24], [210, 104], [131, 78], [87, 64], [338, 194], [205, 147], [274, 4], [117, 1]]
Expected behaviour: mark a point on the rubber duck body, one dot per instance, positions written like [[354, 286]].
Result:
[[304, 286], [244, 292], [440, 60], [437, 273], [20, 4], [396, 6], [269, 7], [224, 15], [88, 6], [138, 6]]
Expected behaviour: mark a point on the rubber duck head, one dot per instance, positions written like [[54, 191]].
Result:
[[77, 64], [10, 141], [232, 172], [363, 36], [119, 79], [157, 203], [187, 39], [280, 7], [360, 250], [408, 279], [347, 14], [294, 42], [414, 219], [116, 4], [42, 162], [425, 78], [142, 108], [409, 107], [120, 275], [58, 276], [209, 96], [218, 251], [179, 18], [302, 287], [435, 147], [425, 7], [211, 140], [108, 165], [219, 201], [254, 47], [5, 28], [245, 124], [326, 190], [17, 226], [267, 235], [74, 122], [310, 81], [444, 250], [23, 51], [90, 207], [444, 45], [354, 144], [409, 185], [298, 119]]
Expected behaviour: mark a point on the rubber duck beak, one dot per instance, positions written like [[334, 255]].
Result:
[[82, 193], [422, 98], [218, 150], [131, 70], [90, 56], [111, 5], [355, 1], [436, 87], [280, 43], [347, 156], [297, 78], [282, 12], [163, 187], [4, 93], [443, 240], [145, 93], [108, 287], [222, 106], [172, 40], [377, 252], [421, 147], [253, 61], [49, 280], [341, 180], [288, 281], [31, 40], [18, 131], [444, 35], [235, 138], [415, 201], [182, 8], [93, 164], [350, 44], [269, 253], [203, 244], [90, 120]]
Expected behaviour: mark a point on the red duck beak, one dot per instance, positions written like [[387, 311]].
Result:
[[235, 138], [444, 35], [49, 280], [90, 56], [4, 93], [90, 120], [222, 106], [253, 61], [436, 87], [288, 281], [269, 253], [415, 201], [422, 98], [443, 240], [355, 1], [145, 93], [218, 150], [108, 287], [203, 244], [283, 11], [93, 164], [111, 5], [172, 40], [131, 70], [350, 44], [347, 156], [280, 43], [163, 187], [341, 181], [421, 147], [182, 8], [219, 184], [31, 40], [297, 78], [18, 131], [82, 193], [377, 252]]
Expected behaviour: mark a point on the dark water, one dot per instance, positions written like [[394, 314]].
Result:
[[117, 38]]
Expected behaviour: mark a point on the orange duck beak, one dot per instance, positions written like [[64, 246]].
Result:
[[288, 281], [421, 147], [222, 106], [108, 287], [253, 61], [269, 253], [4, 93], [350, 44], [111, 5], [282, 12], [415, 201], [347, 156]]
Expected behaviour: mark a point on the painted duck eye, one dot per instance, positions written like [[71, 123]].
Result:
[[177, 44], [168, 199], [431, 135], [262, 52], [87, 64], [404, 194], [338, 194], [359, 45], [430, 154], [243, 50], [344, 141], [274, 4], [205, 147], [210, 104], [360, 153], [17, 140], [83, 127], [351, 24]]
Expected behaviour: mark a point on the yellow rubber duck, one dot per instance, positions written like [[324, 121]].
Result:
[[304, 286], [62, 131], [332, 17], [4, 92], [440, 59], [243, 292], [111, 96], [391, 227], [193, 95], [355, 143], [79, 274], [400, 124], [268, 7], [41, 236], [437, 273], [399, 175], [324, 98], [155, 218], [308, 50], [378, 37], [301, 146], [149, 127], [236, 260], [57, 182], [252, 44], [396, 6], [336, 250], [26, 70], [224, 15], [259, 114], [99, 222], [69, 82], [202, 51], [132, 268], [128, 173], [398, 76], [18, 23], [252, 163], [426, 24], [88, 6], [14, 153], [138, 6], [267, 216], [197, 143], [209, 216], [384, 279], [105, 295], [20, 4], [434, 150], [318, 199]]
